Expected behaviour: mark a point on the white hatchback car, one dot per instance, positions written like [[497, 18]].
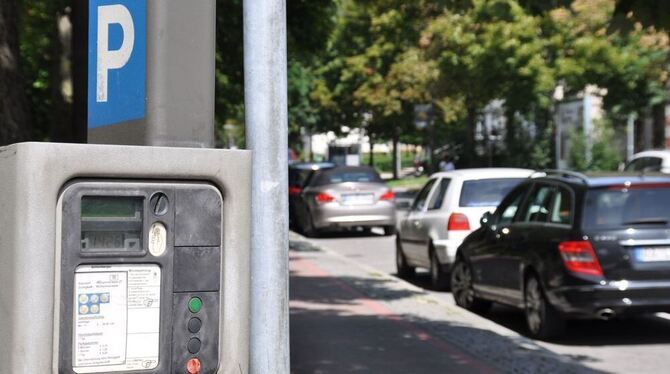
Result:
[[448, 208], [649, 161]]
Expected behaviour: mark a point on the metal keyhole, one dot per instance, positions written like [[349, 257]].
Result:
[[159, 204]]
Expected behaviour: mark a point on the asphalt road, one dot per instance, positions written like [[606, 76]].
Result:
[[636, 345]]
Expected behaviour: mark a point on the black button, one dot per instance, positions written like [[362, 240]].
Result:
[[194, 345], [194, 325]]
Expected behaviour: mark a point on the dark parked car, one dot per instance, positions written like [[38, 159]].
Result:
[[298, 175], [345, 197], [570, 246]]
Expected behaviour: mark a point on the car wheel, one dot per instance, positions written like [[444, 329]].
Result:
[[389, 230], [542, 319], [308, 229], [438, 277], [462, 288], [403, 268]]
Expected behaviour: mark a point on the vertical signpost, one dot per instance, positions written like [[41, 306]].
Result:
[[265, 85]]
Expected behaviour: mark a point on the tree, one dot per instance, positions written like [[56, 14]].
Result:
[[631, 64], [374, 74], [14, 115], [492, 51], [45, 62], [309, 23]]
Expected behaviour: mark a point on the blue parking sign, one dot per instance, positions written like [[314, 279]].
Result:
[[116, 61]]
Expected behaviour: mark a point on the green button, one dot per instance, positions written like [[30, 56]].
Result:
[[195, 304]]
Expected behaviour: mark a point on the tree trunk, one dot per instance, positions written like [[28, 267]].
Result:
[[658, 118], [371, 160], [510, 137], [14, 115], [469, 151], [396, 161], [63, 128]]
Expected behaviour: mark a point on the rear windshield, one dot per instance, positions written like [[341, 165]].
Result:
[[616, 207], [298, 177], [486, 192], [342, 175]]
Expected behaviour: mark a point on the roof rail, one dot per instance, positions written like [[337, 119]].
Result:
[[561, 173]]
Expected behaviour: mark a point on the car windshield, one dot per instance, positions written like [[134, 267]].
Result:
[[342, 175], [486, 192], [616, 207], [298, 177]]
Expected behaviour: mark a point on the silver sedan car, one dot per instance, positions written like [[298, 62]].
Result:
[[345, 197]]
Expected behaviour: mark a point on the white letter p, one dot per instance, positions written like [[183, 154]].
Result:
[[116, 59]]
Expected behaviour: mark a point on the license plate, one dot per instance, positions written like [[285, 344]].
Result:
[[358, 199], [655, 254]]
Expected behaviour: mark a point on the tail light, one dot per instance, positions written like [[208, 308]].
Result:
[[388, 196], [458, 222], [579, 257], [323, 198], [294, 191]]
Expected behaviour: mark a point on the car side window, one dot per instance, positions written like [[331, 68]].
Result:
[[420, 200], [561, 207], [637, 164], [438, 196], [539, 204], [653, 164], [510, 206]]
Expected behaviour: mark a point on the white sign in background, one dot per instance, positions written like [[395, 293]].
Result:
[[116, 318]]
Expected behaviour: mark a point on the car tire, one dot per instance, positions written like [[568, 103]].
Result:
[[463, 290], [389, 230], [308, 229], [439, 279], [404, 270], [542, 319]]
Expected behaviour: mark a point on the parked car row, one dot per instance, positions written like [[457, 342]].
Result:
[[559, 245]]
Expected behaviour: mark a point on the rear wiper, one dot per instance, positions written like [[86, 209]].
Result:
[[649, 220]]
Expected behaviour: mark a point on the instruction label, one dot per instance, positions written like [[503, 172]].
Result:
[[116, 318]]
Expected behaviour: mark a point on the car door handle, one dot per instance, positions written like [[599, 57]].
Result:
[[417, 223]]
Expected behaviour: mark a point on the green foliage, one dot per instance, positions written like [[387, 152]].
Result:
[[540, 156], [383, 162], [577, 158], [41, 50], [309, 23], [604, 153], [605, 156]]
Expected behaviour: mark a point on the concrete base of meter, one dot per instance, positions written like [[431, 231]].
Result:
[[33, 176]]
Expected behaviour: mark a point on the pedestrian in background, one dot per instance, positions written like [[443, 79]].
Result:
[[446, 164]]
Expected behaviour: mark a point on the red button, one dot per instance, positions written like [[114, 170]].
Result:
[[193, 366]]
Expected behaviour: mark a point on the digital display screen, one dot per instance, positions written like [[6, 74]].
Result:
[[111, 223], [108, 206]]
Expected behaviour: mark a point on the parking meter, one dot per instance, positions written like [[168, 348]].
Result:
[[122, 259]]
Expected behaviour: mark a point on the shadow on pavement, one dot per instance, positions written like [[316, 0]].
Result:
[[343, 325], [639, 330], [625, 331]]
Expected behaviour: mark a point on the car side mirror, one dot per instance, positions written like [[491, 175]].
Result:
[[486, 220]]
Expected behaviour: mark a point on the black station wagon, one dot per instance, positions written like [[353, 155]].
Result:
[[567, 246]]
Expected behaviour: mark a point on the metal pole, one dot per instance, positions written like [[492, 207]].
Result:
[[267, 135]]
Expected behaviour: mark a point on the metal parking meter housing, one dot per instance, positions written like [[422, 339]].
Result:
[[52, 246]]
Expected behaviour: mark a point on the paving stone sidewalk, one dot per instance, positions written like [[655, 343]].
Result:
[[350, 318]]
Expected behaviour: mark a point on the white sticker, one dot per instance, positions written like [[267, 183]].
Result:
[[116, 318]]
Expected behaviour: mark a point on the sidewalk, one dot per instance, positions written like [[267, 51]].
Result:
[[350, 318], [337, 329]]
